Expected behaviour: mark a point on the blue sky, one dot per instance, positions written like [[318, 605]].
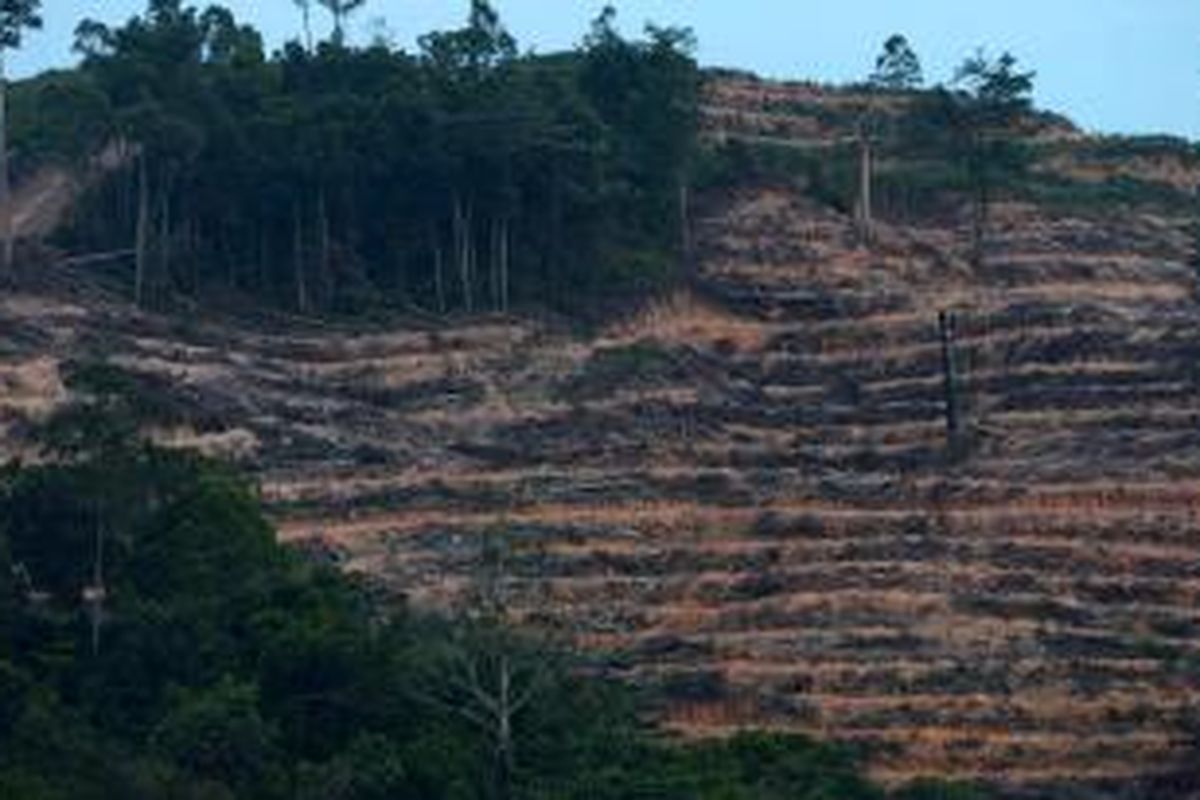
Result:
[[1129, 66]]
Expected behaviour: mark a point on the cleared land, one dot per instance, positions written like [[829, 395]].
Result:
[[743, 495]]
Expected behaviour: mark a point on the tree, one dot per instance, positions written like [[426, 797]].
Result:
[[305, 7], [16, 16], [897, 68], [340, 10], [983, 116], [466, 177], [490, 674], [217, 734], [466, 65]]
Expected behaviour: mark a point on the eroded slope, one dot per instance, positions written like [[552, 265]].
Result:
[[743, 496]]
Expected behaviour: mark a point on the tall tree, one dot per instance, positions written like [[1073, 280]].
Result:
[[491, 675], [897, 68], [16, 16], [983, 116]]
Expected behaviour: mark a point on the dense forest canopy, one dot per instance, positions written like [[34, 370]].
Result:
[[467, 176]]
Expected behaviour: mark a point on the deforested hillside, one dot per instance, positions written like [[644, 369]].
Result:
[[923, 476]]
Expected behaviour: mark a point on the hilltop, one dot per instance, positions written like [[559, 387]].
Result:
[[742, 492]]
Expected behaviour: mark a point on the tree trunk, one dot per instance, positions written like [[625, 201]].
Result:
[[298, 258], [864, 211], [493, 246], [685, 230], [323, 233], [472, 256], [339, 33], [401, 270], [504, 732], [555, 278], [439, 285], [264, 258], [462, 250], [307, 12], [143, 233], [162, 274], [504, 254]]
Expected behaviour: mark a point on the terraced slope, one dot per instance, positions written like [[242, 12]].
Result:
[[743, 496]]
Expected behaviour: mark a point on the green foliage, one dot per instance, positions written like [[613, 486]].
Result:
[[830, 177], [371, 768], [340, 179], [16, 16], [114, 403], [897, 68], [996, 89], [217, 734], [58, 117], [1112, 195]]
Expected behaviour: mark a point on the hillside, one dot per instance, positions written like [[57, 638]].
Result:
[[742, 494]]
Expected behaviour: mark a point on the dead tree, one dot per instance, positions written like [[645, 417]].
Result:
[[489, 674]]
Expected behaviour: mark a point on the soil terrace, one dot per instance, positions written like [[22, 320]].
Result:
[[743, 496]]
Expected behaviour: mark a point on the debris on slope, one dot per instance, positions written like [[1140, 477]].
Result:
[[744, 497]]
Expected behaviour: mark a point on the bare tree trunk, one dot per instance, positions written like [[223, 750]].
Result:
[[162, 274], [462, 246], [439, 286], [685, 230], [493, 264], [504, 254], [472, 256], [193, 244], [504, 732], [323, 233], [143, 233], [864, 214], [306, 10], [401, 271], [496, 264], [298, 258], [95, 594], [264, 258], [228, 254]]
